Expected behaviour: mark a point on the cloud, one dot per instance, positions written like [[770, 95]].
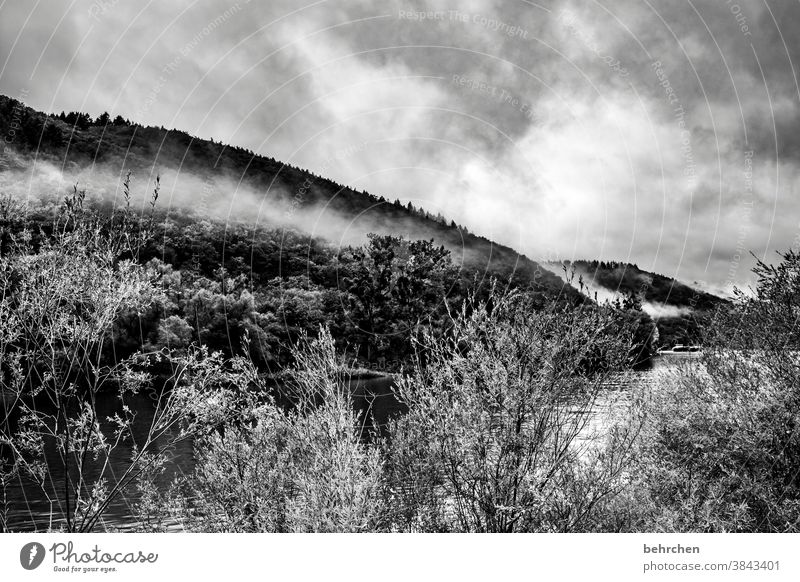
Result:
[[567, 130]]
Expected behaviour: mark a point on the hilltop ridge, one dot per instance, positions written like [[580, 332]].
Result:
[[76, 141]]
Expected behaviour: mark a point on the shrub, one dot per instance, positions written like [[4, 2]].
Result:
[[722, 449], [61, 291], [497, 437], [273, 469]]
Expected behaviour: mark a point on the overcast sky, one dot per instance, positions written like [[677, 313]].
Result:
[[664, 133]]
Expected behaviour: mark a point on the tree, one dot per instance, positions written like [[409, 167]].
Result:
[[52, 135], [396, 284], [32, 130], [644, 331], [78, 120], [369, 280]]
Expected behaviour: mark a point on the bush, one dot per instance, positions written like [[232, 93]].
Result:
[[722, 449], [497, 437], [61, 292], [272, 469]]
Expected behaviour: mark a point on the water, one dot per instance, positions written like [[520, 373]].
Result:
[[28, 510], [613, 402], [375, 401]]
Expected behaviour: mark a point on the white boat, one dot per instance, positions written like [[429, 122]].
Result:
[[681, 349]]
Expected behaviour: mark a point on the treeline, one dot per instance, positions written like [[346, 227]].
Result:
[[652, 287], [231, 285], [84, 120], [120, 148], [222, 285], [85, 139], [227, 281], [695, 307]]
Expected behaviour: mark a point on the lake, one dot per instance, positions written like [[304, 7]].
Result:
[[27, 510]]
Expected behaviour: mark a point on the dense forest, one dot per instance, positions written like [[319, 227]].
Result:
[[77, 140], [227, 279], [224, 284], [629, 278], [278, 259]]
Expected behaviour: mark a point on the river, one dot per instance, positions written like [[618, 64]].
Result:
[[28, 510]]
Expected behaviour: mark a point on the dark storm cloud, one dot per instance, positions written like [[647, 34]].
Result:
[[660, 132]]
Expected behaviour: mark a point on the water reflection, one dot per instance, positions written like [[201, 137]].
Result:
[[29, 509]]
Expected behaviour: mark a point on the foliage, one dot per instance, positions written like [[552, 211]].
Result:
[[59, 298], [641, 327], [303, 469], [395, 285], [722, 450], [500, 391], [653, 287], [694, 306], [495, 438]]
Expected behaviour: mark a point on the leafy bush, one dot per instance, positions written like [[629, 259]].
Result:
[[722, 449], [61, 292], [268, 468], [497, 436]]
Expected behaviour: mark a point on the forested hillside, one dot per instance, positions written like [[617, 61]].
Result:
[[679, 310], [234, 283], [242, 339], [76, 140]]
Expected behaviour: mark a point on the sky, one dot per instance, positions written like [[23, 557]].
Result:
[[659, 133]]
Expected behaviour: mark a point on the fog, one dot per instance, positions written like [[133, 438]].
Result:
[[603, 295], [662, 135], [41, 182]]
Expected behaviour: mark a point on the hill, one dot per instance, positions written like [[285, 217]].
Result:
[[678, 309], [654, 288], [253, 215], [283, 194]]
